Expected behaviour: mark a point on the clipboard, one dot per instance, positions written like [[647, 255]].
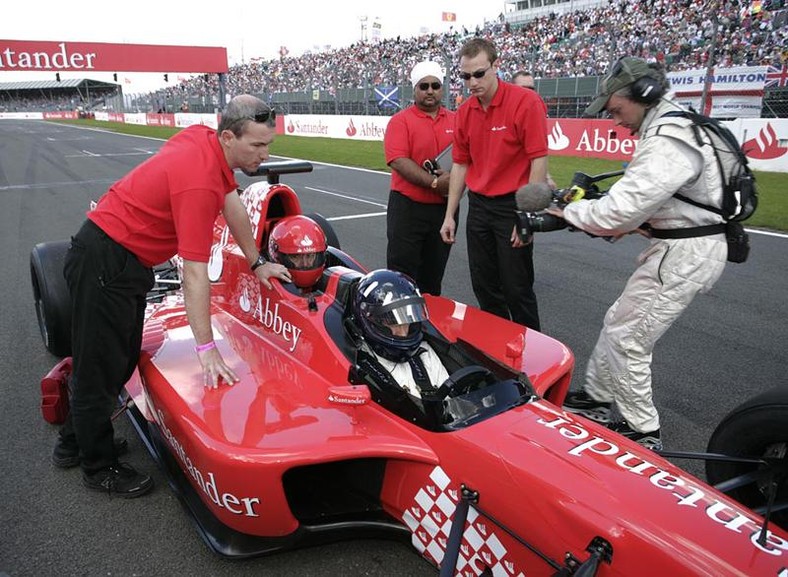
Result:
[[444, 159]]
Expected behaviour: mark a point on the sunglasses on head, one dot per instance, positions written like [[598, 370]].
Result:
[[427, 85], [265, 116], [478, 74]]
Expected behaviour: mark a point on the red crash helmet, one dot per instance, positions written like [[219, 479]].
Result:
[[298, 243]]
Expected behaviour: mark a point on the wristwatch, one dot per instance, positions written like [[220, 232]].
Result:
[[259, 262], [434, 183]]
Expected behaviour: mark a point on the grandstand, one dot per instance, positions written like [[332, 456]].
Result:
[[521, 11], [567, 50], [566, 44], [51, 95]]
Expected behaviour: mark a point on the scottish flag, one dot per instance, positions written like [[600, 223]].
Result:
[[387, 96]]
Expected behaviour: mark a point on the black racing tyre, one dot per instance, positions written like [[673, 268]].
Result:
[[756, 428], [331, 237], [51, 296]]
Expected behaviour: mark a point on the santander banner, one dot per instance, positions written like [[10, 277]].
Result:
[[30, 55], [764, 139]]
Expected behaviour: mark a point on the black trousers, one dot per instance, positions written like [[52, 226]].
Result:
[[502, 277], [415, 246], [108, 287]]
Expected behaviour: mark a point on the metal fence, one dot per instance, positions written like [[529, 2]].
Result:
[[565, 98]]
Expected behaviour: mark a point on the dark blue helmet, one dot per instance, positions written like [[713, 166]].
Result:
[[383, 300]]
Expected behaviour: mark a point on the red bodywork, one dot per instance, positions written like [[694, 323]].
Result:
[[251, 454]]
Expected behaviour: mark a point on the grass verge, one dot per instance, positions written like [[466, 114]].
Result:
[[773, 198]]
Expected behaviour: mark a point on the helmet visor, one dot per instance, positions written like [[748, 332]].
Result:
[[303, 261], [403, 311]]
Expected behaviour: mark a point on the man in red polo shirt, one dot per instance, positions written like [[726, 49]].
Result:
[[500, 144], [417, 201], [163, 207]]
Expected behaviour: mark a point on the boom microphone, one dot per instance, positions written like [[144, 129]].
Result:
[[533, 197]]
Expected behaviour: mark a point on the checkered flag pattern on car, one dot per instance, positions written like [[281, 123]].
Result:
[[429, 520]]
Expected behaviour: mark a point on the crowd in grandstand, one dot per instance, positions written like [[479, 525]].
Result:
[[677, 33], [578, 43], [43, 103]]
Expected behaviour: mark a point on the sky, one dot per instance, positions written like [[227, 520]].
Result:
[[247, 30]]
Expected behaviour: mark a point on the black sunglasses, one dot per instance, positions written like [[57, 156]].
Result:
[[265, 116], [427, 85], [478, 74]]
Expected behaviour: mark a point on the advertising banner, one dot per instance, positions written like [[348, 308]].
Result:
[[154, 119], [736, 78], [340, 126], [184, 119], [58, 114], [31, 55]]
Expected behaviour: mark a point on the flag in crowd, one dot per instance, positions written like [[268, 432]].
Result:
[[776, 77], [387, 96]]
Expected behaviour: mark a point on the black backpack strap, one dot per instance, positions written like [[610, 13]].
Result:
[[688, 200], [696, 131]]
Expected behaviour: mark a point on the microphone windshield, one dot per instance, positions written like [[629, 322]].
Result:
[[533, 197]]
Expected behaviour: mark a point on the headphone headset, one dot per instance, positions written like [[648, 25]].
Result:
[[646, 90]]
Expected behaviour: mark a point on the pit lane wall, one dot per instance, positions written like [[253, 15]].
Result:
[[764, 139]]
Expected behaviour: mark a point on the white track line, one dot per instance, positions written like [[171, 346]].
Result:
[[346, 196], [354, 216]]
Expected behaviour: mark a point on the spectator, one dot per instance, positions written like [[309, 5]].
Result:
[[525, 79], [417, 200], [166, 205], [500, 144], [686, 256], [572, 44]]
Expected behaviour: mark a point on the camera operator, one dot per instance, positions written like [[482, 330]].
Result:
[[686, 255]]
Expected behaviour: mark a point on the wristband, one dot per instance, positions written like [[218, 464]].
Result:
[[206, 347], [259, 262]]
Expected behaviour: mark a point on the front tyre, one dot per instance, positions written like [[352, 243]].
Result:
[[757, 428], [51, 296]]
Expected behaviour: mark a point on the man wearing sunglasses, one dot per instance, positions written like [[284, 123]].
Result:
[[417, 200], [163, 207], [500, 145]]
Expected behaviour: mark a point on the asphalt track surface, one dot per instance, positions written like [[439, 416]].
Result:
[[730, 345]]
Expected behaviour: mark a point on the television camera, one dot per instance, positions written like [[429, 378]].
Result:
[[533, 199]]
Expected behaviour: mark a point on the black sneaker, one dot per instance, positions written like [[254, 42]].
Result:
[[651, 440], [66, 455], [121, 479], [580, 403]]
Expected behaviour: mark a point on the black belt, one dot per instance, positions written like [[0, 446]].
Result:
[[692, 232]]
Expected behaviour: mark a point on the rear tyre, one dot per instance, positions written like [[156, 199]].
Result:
[[51, 296], [757, 428], [331, 237]]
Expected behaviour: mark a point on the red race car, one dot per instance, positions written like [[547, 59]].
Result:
[[492, 478]]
